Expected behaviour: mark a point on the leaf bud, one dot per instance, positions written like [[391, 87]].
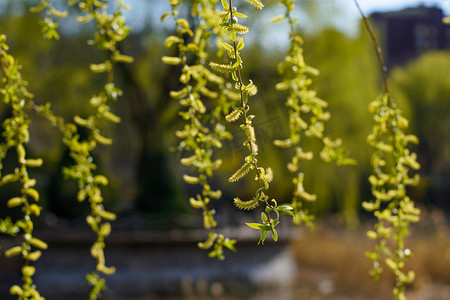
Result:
[[38, 243], [13, 251]]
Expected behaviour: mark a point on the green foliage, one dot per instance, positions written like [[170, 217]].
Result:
[[423, 88], [205, 100]]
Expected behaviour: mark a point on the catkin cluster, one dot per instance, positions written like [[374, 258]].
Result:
[[393, 165], [15, 134], [111, 29], [233, 45], [202, 99], [307, 116]]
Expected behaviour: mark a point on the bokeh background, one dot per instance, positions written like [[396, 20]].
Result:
[[146, 188]]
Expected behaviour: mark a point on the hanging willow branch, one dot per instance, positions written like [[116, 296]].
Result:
[[233, 45], [393, 167], [307, 116], [203, 133], [16, 135], [110, 30]]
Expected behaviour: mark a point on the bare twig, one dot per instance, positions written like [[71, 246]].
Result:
[[377, 49]]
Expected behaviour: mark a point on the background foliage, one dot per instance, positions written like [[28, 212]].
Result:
[[145, 167], [149, 177]]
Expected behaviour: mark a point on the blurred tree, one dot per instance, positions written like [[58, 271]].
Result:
[[348, 76], [424, 85], [142, 163]]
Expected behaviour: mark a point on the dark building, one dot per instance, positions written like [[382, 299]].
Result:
[[407, 33]]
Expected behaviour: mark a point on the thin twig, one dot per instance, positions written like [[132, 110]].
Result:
[[377, 49]]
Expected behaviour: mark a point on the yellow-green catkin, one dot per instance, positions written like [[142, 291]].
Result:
[[48, 24], [15, 131], [232, 44], [111, 30], [393, 167], [307, 116], [202, 99]]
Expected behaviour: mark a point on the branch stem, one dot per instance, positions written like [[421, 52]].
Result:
[[378, 51]]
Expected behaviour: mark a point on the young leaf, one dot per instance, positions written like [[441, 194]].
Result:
[[263, 237], [240, 44], [264, 218], [226, 46], [254, 225], [239, 15], [225, 4], [274, 234]]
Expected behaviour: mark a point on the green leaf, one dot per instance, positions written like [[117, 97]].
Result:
[[263, 237], [239, 15], [240, 44], [227, 46], [274, 234], [225, 4], [254, 225], [264, 218], [284, 207], [233, 36]]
